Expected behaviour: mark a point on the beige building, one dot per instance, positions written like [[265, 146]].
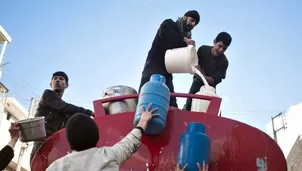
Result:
[[33, 106], [11, 111], [294, 158]]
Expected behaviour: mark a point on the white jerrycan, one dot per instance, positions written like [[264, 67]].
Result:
[[201, 105], [181, 60]]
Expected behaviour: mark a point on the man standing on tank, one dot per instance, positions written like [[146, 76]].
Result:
[[169, 35], [54, 109], [213, 64]]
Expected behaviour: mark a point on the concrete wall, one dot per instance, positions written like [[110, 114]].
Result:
[[294, 158]]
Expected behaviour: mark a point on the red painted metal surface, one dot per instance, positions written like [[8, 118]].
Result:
[[235, 146]]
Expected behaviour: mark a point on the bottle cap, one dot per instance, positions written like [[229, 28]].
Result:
[[196, 127], [158, 77]]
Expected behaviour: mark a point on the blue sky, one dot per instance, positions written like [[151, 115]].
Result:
[[104, 43]]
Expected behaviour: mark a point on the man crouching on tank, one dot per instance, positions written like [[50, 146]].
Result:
[[54, 109], [212, 63]]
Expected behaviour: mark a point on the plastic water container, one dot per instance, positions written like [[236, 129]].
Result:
[[181, 60], [156, 92], [194, 147], [200, 105]]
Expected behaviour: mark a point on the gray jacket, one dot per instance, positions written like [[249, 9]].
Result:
[[100, 159]]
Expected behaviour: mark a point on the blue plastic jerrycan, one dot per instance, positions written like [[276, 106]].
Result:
[[156, 92], [194, 147]]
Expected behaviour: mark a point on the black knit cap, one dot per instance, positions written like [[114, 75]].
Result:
[[62, 74], [194, 14], [82, 132]]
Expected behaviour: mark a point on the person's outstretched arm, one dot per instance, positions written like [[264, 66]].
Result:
[[129, 145], [50, 99], [7, 152]]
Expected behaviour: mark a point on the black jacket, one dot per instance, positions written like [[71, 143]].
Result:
[[167, 37], [6, 155], [56, 111], [215, 67]]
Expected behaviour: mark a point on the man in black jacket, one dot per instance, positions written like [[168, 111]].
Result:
[[212, 63], [54, 109], [169, 35]]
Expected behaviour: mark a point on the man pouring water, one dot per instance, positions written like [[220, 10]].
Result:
[[170, 35]]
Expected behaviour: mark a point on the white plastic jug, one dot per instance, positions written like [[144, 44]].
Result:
[[181, 60], [200, 105]]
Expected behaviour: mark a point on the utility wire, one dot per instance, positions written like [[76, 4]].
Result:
[[16, 87], [21, 82], [11, 73]]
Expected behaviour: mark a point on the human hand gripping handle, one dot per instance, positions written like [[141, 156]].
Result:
[[189, 41], [14, 134], [14, 131], [147, 115]]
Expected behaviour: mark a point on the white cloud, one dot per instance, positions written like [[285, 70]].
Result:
[[287, 137]]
